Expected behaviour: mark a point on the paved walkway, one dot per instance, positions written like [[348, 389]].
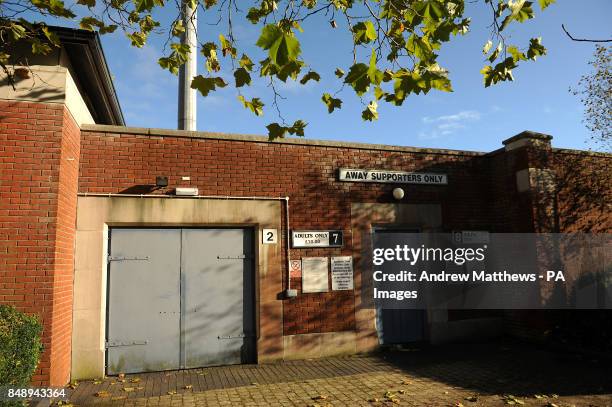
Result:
[[459, 375]]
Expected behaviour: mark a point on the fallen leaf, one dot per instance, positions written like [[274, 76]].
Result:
[[550, 404], [188, 386], [254, 384], [401, 391], [473, 399], [119, 398], [511, 400], [121, 375], [135, 380], [171, 392], [97, 381], [373, 400], [102, 393], [554, 396], [73, 384], [320, 397], [128, 389]]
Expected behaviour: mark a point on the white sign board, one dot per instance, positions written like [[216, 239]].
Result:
[[474, 236], [391, 177], [342, 273], [314, 275], [317, 238], [269, 236]]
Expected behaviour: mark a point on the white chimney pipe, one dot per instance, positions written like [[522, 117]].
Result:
[[186, 95]]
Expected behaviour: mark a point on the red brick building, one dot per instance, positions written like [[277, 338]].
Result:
[[74, 179]]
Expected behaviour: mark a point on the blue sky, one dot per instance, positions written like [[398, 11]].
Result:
[[470, 118]]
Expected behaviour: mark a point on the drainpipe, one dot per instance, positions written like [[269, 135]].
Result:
[[186, 95]]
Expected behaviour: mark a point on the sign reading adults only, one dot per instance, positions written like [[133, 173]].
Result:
[[508, 271], [391, 177]]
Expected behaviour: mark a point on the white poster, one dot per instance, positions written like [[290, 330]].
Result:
[[342, 273], [314, 275]]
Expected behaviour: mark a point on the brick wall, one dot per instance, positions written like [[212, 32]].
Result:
[[37, 212], [124, 163]]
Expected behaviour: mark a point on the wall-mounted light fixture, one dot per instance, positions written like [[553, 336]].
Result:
[[161, 182], [398, 193]]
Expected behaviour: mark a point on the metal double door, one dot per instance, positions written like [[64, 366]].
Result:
[[179, 298]]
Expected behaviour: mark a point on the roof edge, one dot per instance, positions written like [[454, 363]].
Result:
[[153, 132]]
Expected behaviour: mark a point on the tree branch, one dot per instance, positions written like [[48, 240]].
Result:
[[582, 39]]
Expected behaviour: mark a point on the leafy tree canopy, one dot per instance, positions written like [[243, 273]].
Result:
[[595, 92], [396, 43]]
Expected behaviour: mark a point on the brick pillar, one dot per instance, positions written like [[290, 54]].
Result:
[[535, 179], [531, 154], [39, 163]]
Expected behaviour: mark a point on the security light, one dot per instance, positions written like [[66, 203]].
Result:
[[398, 193]]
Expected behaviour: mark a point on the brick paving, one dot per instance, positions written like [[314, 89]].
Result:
[[472, 375]]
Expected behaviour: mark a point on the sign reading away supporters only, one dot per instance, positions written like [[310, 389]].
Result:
[[317, 238], [391, 177]]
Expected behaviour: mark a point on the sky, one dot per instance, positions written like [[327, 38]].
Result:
[[472, 117]]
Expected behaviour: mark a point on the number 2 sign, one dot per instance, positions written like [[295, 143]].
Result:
[[269, 236]]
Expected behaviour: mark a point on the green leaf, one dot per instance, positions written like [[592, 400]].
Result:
[[209, 50], [501, 72], [432, 10], [290, 70], [311, 75], [375, 75], [331, 102], [226, 47], [51, 36], [339, 73], [364, 32], [358, 78], [178, 28], [255, 105], [379, 93], [487, 47], [520, 10], [275, 130], [495, 53], [242, 77], [370, 113], [282, 47], [517, 55], [420, 47], [536, 48], [88, 3], [206, 85], [545, 3], [246, 63], [138, 39], [298, 128], [40, 48]]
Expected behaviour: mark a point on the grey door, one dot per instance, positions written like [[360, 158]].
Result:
[[180, 298], [143, 300], [218, 323], [397, 326]]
